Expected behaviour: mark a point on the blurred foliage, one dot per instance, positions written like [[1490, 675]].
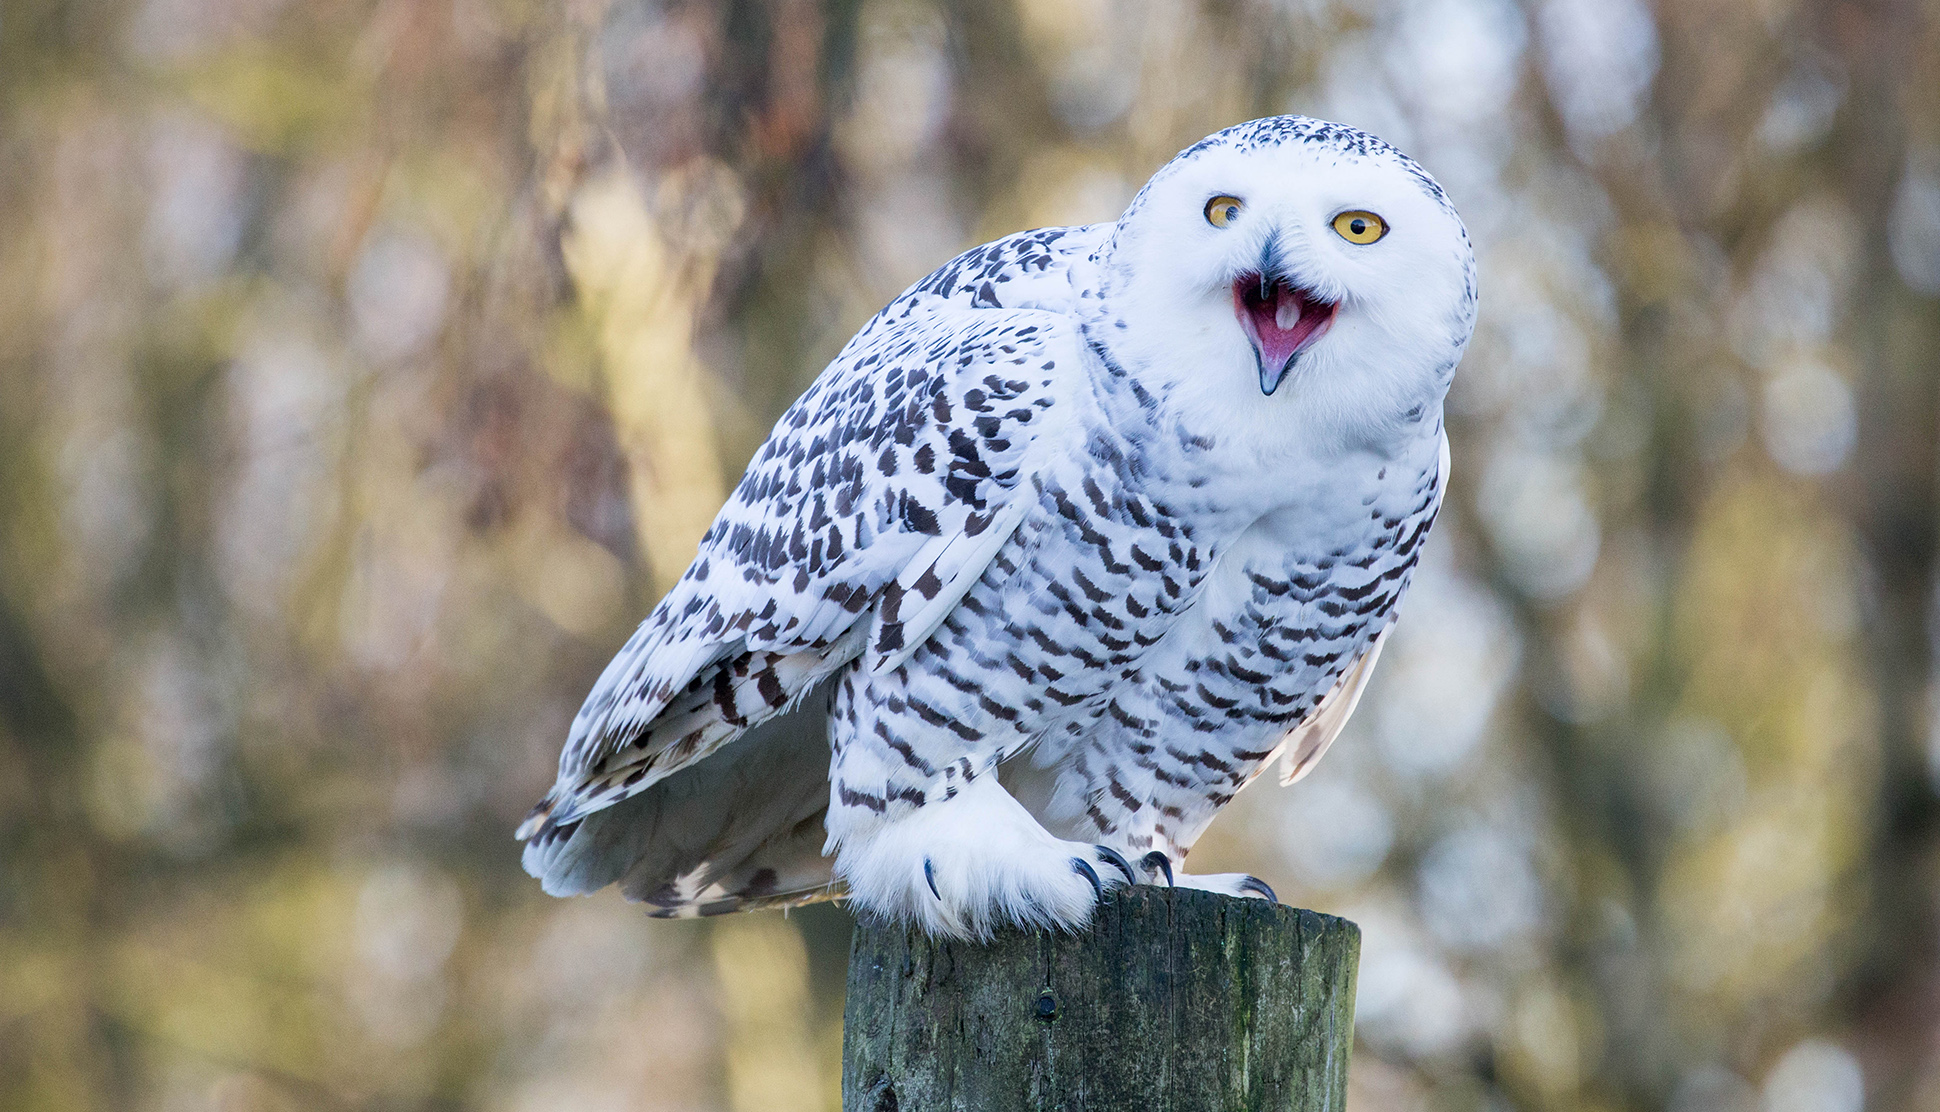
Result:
[[367, 366]]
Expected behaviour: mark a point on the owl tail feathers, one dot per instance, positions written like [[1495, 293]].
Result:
[[536, 820], [737, 830]]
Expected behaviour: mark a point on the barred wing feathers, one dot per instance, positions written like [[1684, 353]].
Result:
[[875, 504]]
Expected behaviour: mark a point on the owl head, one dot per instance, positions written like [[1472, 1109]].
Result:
[[1290, 264]]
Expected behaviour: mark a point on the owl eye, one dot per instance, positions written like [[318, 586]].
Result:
[[1360, 227], [1221, 211]]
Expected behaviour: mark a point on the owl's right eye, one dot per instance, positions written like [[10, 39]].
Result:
[[1222, 210]]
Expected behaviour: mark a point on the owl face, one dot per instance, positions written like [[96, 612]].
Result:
[[1296, 260]]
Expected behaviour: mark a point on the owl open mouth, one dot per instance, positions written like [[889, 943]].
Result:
[[1281, 321]]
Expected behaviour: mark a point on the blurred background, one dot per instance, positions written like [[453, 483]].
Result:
[[367, 367]]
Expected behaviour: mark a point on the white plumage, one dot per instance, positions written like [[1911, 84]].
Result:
[[1064, 548]]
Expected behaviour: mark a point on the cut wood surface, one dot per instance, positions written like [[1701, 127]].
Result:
[[1174, 1000]]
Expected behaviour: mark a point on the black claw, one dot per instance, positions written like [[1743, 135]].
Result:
[[1117, 861], [929, 874], [1158, 860], [1255, 884], [1083, 868]]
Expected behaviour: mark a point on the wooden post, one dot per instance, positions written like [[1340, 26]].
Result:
[[1174, 1001]]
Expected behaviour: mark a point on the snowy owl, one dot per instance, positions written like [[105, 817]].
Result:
[[1068, 543]]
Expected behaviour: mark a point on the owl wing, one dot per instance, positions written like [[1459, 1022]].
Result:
[[1306, 743], [874, 505]]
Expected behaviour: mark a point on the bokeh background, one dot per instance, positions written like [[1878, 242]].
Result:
[[367, 367]]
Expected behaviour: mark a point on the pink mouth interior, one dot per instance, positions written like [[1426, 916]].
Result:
[[1285, 321]]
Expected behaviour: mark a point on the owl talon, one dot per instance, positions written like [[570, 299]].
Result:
[[1117, 861], [1255, 884], [1157, 861], [1083, 868], [929, 874]]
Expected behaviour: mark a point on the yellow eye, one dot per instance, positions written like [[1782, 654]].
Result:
[[1221, 211], [1360, 227]]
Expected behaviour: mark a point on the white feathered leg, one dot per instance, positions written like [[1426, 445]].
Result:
[[965, 865]]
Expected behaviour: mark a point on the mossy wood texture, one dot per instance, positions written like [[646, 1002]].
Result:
[[1173, 1001]]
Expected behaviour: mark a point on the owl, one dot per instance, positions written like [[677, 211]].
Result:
[[1067, 545]]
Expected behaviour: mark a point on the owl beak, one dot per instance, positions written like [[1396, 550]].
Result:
[[1281, 321]]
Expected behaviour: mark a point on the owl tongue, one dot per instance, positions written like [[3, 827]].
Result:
[[1281, 321]]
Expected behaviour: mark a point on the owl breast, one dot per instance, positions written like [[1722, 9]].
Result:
[[1287, 611]]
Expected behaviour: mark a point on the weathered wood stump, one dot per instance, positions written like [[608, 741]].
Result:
[[1173, 1000]]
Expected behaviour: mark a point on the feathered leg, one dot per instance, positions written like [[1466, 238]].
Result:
[[947, 848]]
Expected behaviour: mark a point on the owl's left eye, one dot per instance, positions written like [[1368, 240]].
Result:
[[1221, 211], [1356, 226]]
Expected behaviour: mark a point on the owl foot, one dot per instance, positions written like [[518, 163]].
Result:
[[964, 866], [1228, 884], [1157, 864], [1079, 865]]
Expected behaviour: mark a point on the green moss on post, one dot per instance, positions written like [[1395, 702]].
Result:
[[1174, 1001]]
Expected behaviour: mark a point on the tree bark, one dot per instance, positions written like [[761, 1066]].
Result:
[[1173, 1000]]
